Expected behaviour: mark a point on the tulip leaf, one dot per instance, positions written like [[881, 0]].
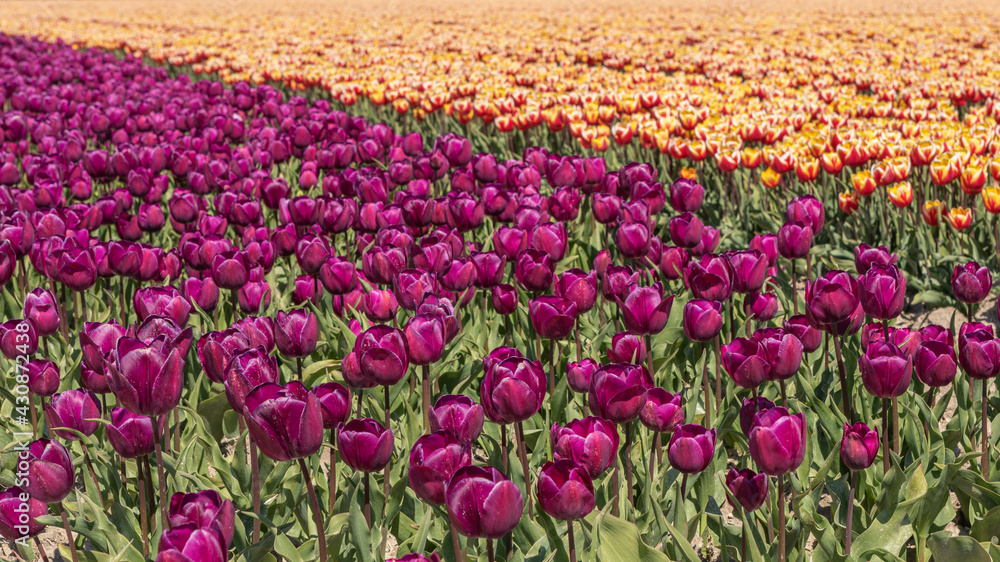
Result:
[[889, 531], [284, 547], [987, 527], [946, 548], [212, 411], [618, 540], [917, 485], [361, 535]]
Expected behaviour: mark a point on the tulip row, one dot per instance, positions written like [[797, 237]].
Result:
[[391, 231]]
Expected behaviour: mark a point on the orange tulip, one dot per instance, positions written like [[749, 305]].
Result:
[[959, 217], [751, 158], [831, 162], [770, 178], [973, 179], [689, 174], [848, 201], [991, 199], [931, 212], [728, 161], [863, 183], [807, 169], [901, 194]]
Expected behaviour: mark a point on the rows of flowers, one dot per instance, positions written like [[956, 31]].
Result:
[[210, 279]]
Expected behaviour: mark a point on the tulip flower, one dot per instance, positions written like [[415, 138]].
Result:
[[147, 379], [246, 371], [686, 196], [49, 469], [645, 310], [783, 352], [457, 415], [259, 331], [365, 444], [866, 256], [747, 489], [43, 377], [534, 270], [685, 230], [663, 412], [18, 338], [579, 373], [618, 392], [434, 459], [934, 332], [504, 299], [626, 348], [513, 390], [295, 334], [189, 544], [18, 511], [746, 361], [749, 268], [552, 317], [702, 320], [799, 326], [590, 443], [206, 510], [162, 301], [691, 449], [881, 291], [483, 502], [286, 422], [230, 270], [215, 349], [74, 409], [858, 448], [710, 278], [777, 440], [885, 369], [579, 287], [831, 298], [971, 283], [794, 240], [40, 307], [382, 356], [130, 434], [566, 492]]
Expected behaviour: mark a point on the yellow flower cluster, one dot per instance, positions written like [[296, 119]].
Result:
[[790, 88]]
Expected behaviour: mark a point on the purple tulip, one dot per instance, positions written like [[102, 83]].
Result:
[[865, 256], [578, 286], [799, 326], [552, 317], [783, 352], [794, 240], [749, 269], [489, 269], [766, 244], [645, 310], [16, 522], [934, 332], [746, 361], [971, 283], [365, 445], [778, 441], [188, 543], [881, 291], [686, 196], [410, 287], [49, 471], [618, 391], [334, 403], [747, 487], [202, 292], [43, 377], [382, 356], [76, 409], [663, 412], [483, 502], [215, 349], [40, 307], [434, 459], [534, 270], [760, 307], [131, 435], [979, 354], [425, 339], [295, 333], [685, 230], [147, 379], [673, 261], [18, 338], [935, 363], [633, 239], [710, 278], [831, 298], [285, 422], [512, 390], [885, 369], [859, 446], [691, 448], [808, 210], [626, 348], [230, 270], [565, 490], [590, 442], [578, 374], [246, 371], [338, 275], [457, 415], [702, 319], [205, 509]]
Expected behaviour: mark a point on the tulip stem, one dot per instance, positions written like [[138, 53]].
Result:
[[985, 432], [572, 543], [40, 549], [164, 520], [317, 514], [885, 436], [627, 452], [743, 536], [489, 550], [523, 452], [895, 424], [781, 519], [455, 545], [298, 366], [579, 348], [503, 449], [368, 503], [784, 394], [795, 300], [708, 389], [718, 373], [72, 542], [845, 390], [332, 475], [141, 492], [850, 512], [177, 429], [649, 356]]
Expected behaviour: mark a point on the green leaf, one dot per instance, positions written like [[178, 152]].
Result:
[[618, 541], [946, 548], [988, 527], [212, 411], [283, 546]]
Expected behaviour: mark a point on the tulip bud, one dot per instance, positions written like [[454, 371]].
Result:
[[131, 435], [881, 291], [365, 445], [434, 459], [979, 354], [41, 307], [552, 317], [885, 370], [783, 352], [425, 339], [831, 298], [663, 412], [691, 448], [457, 415], [43, 377], [778, 441], [794, 240], [483, 503], [859, 446], [147, 379], [382, 356], [578, 374], [645, 310], [971, 283], [509, 401], [746, 361], [618, 391], [49, 471], [685, 230], [702, 320], [74, 409], [534, 270], [747, 487], [285, 422], [565, 490], [749, 269], [295, 333]]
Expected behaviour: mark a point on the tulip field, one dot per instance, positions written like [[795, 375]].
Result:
[[607, 283]]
